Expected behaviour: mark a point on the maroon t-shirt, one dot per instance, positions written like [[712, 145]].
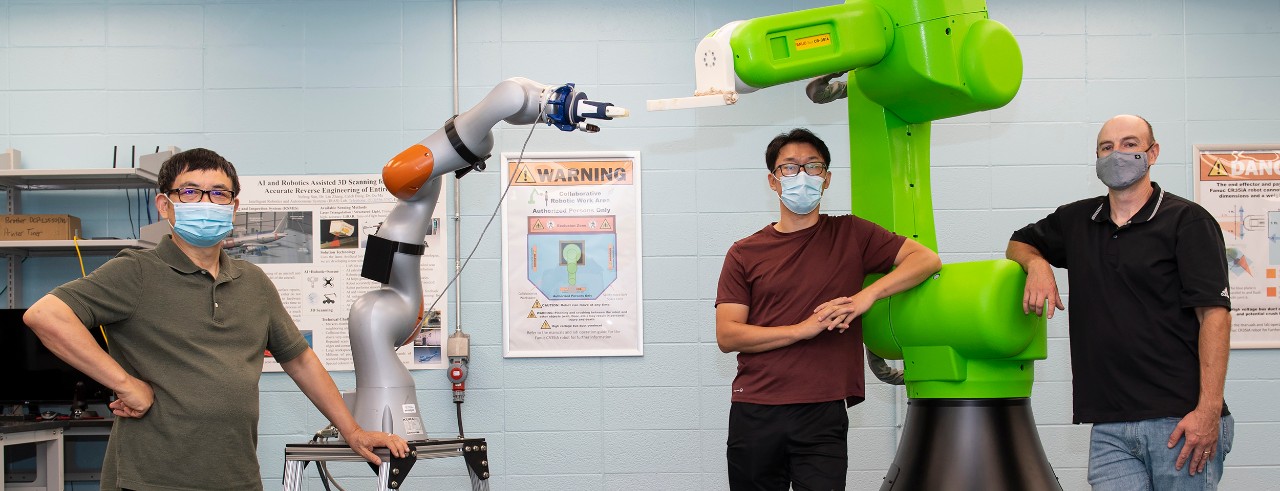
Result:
[[781, 278]]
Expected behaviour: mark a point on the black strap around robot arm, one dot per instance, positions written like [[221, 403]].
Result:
[[477, 162]]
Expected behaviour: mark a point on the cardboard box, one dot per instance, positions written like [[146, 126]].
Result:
[[39, 227]]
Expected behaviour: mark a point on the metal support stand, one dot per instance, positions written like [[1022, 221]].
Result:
[[393, 471]]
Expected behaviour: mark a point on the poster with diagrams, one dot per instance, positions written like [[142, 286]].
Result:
[[571, 255], [1240, 186], [308, 233]]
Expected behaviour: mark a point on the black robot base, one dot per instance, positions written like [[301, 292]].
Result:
[[970, 444]]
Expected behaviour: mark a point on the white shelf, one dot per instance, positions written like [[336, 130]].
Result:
[[92, 247], [77, 178], [15, 181]]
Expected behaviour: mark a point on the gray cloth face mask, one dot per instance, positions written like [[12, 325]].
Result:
[[1119, 170]]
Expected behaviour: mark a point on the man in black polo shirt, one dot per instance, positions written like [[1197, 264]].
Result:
[[1150, 320]]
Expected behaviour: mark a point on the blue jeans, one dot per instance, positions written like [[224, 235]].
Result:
[[1134, 456]]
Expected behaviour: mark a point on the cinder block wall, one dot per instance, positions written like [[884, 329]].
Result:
[[339, 87]]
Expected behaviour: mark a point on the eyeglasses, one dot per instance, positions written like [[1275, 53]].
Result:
[[195, 195], [811, 168]]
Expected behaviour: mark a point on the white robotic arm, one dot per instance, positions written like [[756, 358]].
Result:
[[465, 140], [386, 318]]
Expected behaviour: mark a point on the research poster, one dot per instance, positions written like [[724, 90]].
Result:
[[571, 255], [1240, 186], [308, 233]]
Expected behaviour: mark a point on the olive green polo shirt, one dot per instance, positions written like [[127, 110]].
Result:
[[199, 342]]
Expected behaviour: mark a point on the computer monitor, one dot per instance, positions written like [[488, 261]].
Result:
[[30, 373]]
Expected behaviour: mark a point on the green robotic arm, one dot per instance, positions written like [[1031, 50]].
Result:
[[961, 334]]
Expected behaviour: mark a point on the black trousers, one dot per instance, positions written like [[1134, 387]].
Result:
[[801, 446]]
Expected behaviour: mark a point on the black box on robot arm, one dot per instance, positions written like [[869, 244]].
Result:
[[32, 375], [379, 254]]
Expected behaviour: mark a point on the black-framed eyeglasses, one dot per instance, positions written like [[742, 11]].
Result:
[[811, 168], [195, 195]]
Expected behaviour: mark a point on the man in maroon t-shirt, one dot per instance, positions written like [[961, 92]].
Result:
[[786, 298]]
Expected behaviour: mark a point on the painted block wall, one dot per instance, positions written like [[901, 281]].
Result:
[[340, 86]]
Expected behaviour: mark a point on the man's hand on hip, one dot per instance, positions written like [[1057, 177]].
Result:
[[134, 400]]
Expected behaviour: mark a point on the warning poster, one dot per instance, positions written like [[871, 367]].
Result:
[[571, 255], [1240, 185]]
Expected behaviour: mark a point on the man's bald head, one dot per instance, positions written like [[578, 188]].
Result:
[[1151, 133], [1126, 133]]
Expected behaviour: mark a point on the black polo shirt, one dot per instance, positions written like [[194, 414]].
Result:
[[1135, 347]]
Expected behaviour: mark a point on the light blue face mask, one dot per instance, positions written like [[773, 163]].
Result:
[[801, 192], [202, 224]]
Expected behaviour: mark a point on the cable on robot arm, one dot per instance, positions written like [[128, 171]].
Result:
[[824, 89]]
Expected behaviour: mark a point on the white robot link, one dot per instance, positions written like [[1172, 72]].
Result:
[[389, 317]]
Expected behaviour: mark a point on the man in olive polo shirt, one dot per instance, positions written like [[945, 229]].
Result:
[[187, 326]]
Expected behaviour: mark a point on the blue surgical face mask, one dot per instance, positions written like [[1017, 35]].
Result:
[[801, 192], [1119, 170], [202, 224]]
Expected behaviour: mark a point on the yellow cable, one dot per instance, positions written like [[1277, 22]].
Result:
[[75, 240]]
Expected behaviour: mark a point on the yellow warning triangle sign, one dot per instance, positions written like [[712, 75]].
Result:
[[546, 325], [1218, 169], [606, 225], [537, 225], [537, 304], [532, 315], [524, 177]]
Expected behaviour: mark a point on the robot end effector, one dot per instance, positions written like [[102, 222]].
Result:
[[569, 109]]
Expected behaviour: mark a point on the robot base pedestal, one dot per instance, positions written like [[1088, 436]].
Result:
[[970, 444], [393, 471]]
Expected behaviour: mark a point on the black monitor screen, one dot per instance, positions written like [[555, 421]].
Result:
[[31, 373]]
